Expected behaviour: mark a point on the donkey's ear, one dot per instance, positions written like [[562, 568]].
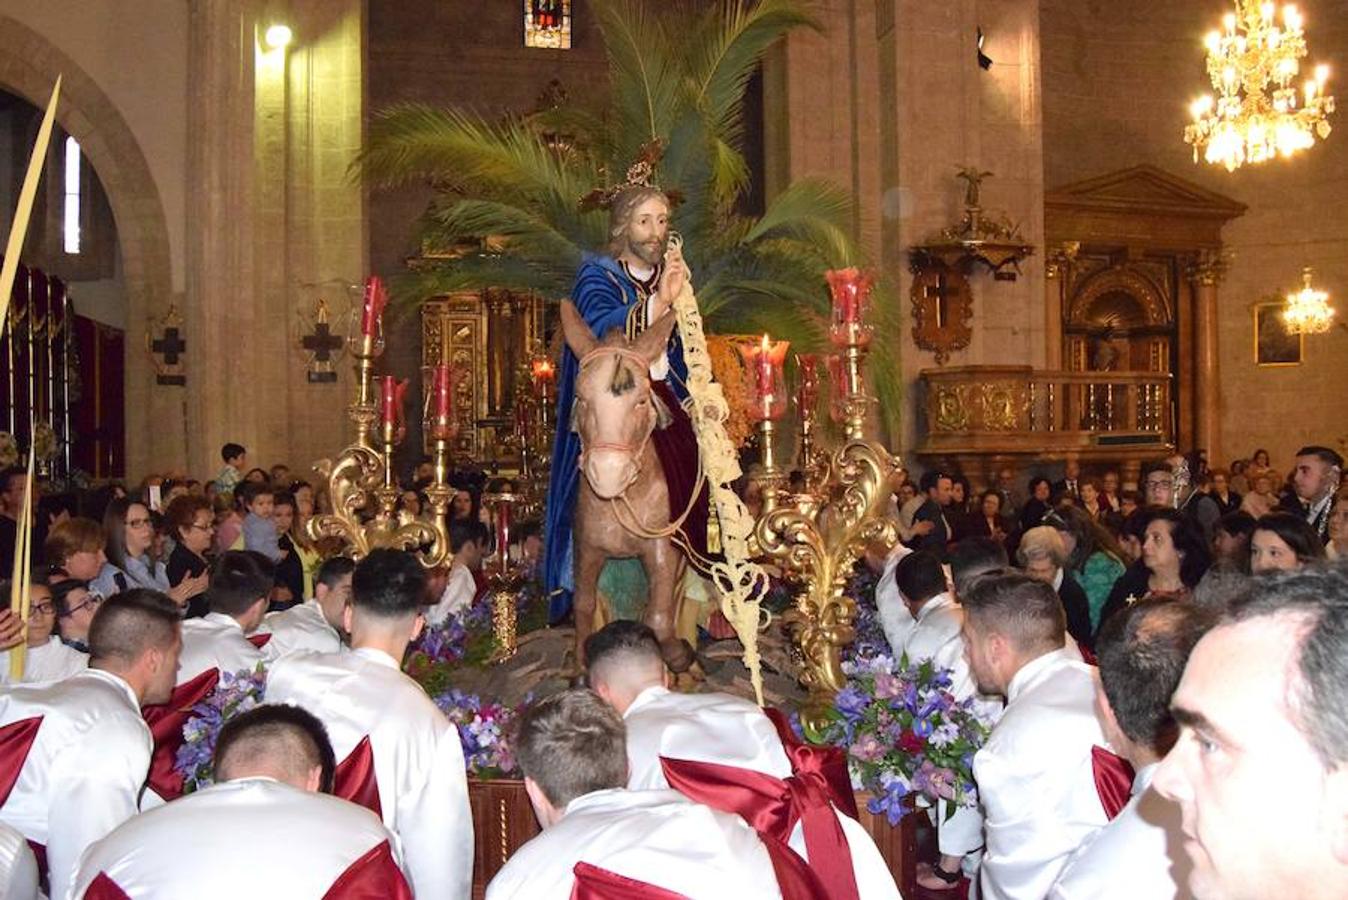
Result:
[[651, 343], [578, 335]]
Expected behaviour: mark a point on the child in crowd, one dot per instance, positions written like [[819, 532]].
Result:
[[468, 541], [235, 457], [259, 531]]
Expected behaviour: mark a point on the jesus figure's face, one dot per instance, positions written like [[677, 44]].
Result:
[[648, 232]]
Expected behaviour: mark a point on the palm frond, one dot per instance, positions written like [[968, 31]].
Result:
[[643, 77], [526, 234], [475, 273]]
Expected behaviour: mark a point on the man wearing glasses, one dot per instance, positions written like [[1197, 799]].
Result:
[[74, 605]]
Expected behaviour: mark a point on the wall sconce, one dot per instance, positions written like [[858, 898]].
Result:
[[277, 35], [984, 61]]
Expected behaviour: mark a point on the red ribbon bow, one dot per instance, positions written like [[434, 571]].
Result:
[[1113, 780]]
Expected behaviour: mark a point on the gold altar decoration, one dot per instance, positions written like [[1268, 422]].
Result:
[[504, 585], [1308, 310], [363, 488], [981, 237], [1259, 113]]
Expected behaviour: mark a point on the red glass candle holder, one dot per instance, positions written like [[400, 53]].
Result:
[[851, 292], [765, 362], [437, 415]]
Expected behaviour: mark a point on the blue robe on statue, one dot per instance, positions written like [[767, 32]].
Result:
[[607, 298]]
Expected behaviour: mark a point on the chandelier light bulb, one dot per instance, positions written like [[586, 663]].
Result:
[[1308, 310], [1291, 17], [1322, 74]]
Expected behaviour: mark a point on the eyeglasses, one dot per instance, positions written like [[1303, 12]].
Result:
[[137, 523], [89, 602], [207, 527], [1160, 482], [41, 609]]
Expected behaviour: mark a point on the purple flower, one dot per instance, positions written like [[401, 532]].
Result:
[[867, 748], [851, 702], [886, 686]]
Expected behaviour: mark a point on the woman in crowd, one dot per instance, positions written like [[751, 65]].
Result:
[[74, 549], [1094, 558], [1261, 500], [1260, 461], [1231, 545], [75, 606], [129, 532], [1043, 555], [1091, 500], [295, 571], [1174, 559], [259, 476], [46, 657], [957, 514], [1037, 506], [1337, 548], [1283, 542], [987, 521], [1240, 483], [1227, 500], [192, 524]]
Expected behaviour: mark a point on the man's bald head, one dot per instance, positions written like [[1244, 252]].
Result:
[[276, 741], [624, 659]]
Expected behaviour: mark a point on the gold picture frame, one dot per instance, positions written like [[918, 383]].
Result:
[[1274, 345]]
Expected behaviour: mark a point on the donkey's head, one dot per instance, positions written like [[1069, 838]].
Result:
[[615, 411]]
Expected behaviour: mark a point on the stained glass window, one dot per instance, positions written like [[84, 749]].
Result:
[[547, 24]]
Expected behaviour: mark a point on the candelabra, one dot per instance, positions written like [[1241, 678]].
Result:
[[765, 403], [505, 584], [361, 481], [819, 537]]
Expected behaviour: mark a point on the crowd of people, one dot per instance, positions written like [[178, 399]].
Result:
[[1149, 661]]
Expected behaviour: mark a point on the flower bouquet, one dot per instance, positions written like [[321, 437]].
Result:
[[870, 638], [237, 692], [483, 727], [905, 734]]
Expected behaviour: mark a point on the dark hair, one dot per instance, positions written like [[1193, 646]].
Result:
[[1319, 598], [919, 576], [61, 591], [975, 556], [114, 529], [388, 583], [1324, 454], [1133, 497], [1024, 609], [1135, 525], [240, 579], [232, 451], [990, 493], [287, 737], [1293, 531], [461, 531], [1038, 480], [1142, 650], [283, 498], [570, 745], [622, 639], [266, 478], [1090, 536], [182, 512], [128, 624], [1188, 540], [245, 492], [529, 529], [1237, 524], [8, 474], [931, 479], [1156, 465], [334, 570]]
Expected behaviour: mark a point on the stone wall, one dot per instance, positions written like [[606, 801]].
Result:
[[1116, 93]]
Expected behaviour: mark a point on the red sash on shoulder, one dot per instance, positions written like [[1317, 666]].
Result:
[[772, 806], [375, 876], [831, 762], [166, 723], [16, 740], [1113, 780], [104, 888], [594, 883], [355, 780], [259, 640]]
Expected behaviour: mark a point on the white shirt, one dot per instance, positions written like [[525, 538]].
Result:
[[18, 867], [1140, 853], [51, 661], [896, 621], [300, 628], [458, 595], [418, 760], [657, 837], [253, 837], [1036, 780], [215, 641], [84, 769], [731, 731]]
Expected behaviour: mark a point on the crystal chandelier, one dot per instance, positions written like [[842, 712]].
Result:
[[1258, 112], [1308, 310]]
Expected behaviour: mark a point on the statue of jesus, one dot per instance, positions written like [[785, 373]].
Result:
[[628, 287]]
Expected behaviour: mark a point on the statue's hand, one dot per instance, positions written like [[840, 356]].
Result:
[[674, 277]]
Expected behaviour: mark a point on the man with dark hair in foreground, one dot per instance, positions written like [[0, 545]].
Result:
[[84, 748], [1142, 651], [270, 764], [1260, 770], [399, 756], [597, 834], [316, 624]]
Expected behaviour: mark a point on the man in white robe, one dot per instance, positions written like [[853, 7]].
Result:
[[627, 670], [262, 830], [469, 540], [1260, 769], [1036, 773], [570, 748], [314, 625], [398, 754], [76, 751], [895, 619], [921, 582], [1142, 651]]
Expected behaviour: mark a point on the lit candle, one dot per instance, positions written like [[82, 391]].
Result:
[[543, 375], [503, 534], [375, 301]]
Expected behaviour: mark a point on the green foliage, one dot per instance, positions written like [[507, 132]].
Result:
[[677, 73]]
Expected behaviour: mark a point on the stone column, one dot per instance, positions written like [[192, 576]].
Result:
[[1205, 275], [1057, 269]]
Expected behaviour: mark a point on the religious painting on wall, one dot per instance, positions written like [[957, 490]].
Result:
[[547, 24], [1274, 345]]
